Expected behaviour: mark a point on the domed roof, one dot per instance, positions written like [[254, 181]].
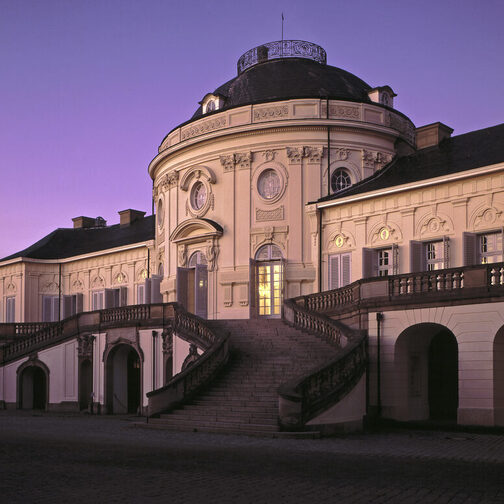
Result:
[[270, 75]]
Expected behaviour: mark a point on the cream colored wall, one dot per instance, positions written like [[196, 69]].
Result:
[[474, 327], [474, 204], [230, 161], [29, 280]]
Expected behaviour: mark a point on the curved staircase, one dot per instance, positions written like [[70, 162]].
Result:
[[244, 398]]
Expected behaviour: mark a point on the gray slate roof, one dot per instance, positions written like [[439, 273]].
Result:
[[457, 154], [69, 242]]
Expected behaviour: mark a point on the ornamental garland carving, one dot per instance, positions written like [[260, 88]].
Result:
[[374, 159], [269, 234], [50, 288], [340, 154], [240, 159], [434, 225], [167, 336], [203, 127], [344, 112], [182, 255], [312, 154], [269, 113], [488, 216], [11, 288], [270, 215], [269, 155], [385, 233], [212, 252]]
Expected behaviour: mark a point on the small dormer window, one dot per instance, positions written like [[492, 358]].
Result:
[[211, 102], [385, 99], [210, 106]]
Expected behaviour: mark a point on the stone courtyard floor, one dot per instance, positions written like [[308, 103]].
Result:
[[73, 459]]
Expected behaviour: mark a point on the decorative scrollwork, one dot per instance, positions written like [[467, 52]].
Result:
[[282, 49]]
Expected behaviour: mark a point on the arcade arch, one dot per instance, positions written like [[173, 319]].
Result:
[[33, 385]]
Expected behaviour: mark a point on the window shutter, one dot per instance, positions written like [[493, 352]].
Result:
[[110, 298], [10, 309], [395, 259], [67, 306], [368, 263], [140, 294], [182, 286], [446, 251], [470, 241], [147, 290], [156, 289], [346, 269], [46, 308], [79, 302], [252, 288], [201, 279], [123, 296], [417, 256], [334, 271]]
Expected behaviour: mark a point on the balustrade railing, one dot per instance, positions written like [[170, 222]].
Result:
[[201, 372], [427, 281], [21, 329], [125, 313]]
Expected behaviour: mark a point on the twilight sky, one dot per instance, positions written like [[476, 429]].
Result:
[[89, 88]]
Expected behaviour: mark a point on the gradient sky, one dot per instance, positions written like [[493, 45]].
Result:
[[89, 88]]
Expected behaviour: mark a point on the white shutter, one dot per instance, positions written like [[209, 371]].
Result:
[[470, 248], [369, 263], [140, 294], [334, 271], [68, 306], [346, 269], [417, 256]]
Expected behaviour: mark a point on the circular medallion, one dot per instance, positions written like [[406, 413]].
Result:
[[384, 234], [339, 241]]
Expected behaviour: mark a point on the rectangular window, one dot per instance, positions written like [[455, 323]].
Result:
[[490, 248], [10, 309], [339, 270], [434, 255], [380, 262], [50, 308], [429, 256]]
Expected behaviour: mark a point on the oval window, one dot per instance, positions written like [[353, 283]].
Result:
[[269, 184], [198, 196]]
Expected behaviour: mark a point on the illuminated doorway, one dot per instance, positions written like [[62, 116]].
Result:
[[269, 277], [192, 285]]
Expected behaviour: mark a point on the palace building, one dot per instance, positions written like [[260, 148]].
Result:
[[296, 192]]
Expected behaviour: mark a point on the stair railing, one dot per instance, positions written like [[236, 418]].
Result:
[[304, 398], [184, 385]]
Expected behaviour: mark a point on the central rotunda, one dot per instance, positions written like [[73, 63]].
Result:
[[231, 184]]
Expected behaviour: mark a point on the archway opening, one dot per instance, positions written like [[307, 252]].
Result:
[[498, 377], [85, 384], [33, 388], [123, 380], [425, 381], [443, 377]]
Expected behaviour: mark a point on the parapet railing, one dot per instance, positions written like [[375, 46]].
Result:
[[201, 372], [12, 330], [56, 332], [304, 398]]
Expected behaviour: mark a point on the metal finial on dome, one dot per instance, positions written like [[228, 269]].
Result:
[[281, 49]]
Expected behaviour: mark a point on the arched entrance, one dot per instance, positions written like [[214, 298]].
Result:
[[498, 377], [269, 281], [123, 380], [425, 379], [443, 376], [85, 384], [33, 386]]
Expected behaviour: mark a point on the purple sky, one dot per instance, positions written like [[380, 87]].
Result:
[[89, 88]]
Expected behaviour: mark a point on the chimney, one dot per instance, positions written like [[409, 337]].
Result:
[[83, 222], [129, 216], [432, 134]]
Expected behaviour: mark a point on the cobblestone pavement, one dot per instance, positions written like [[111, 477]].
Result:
[[50, 458]]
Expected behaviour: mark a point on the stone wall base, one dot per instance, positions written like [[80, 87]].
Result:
[[475, 416]]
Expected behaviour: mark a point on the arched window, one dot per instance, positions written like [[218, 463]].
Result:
[[197, 257], [340, 179], [268, 253]]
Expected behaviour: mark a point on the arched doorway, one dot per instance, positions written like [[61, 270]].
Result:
[[269, 281], [33, 387], [443, 376], [85, 384], [425, 378], [192, 284], [123, 380]]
